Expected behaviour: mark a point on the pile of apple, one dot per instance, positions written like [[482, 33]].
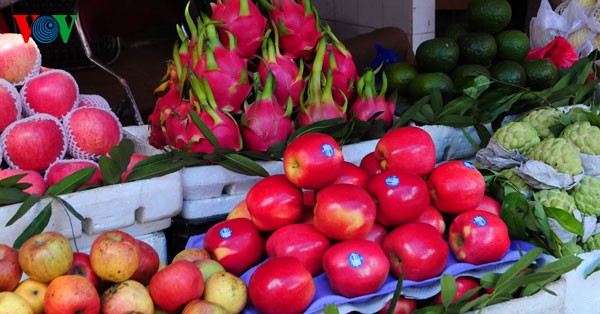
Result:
[[356, 223], [47, 127], [120, 275]]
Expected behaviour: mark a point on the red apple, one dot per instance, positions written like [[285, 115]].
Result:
[[71, 294], [149, 262], [403, 306], [38, 185], [463, 285], [432, 216], [416, 250], [128, 296], [401, 197], [312, 160], [10, 271], [455, 187], [45, 256], [34, 292], [115, 256], [370, 164], [236, 244], [281, 285], [407, 149], [352, 174], [302, 241], [193, 255], [82, 266], [308, 199], [175, 285], [203, 307], [356, 267], [274, 202], [489, 204], [377, 234], [239, 211], [478, 237], [344, 212]]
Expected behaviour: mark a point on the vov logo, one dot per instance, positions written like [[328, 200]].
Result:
[[45, 29]]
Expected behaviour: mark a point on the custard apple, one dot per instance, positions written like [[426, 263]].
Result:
[[560, 154], [593, 243], [516, 181], [556, 198], [585, 136], [542, 120], [578, 114], [587, 196], [521, 136]]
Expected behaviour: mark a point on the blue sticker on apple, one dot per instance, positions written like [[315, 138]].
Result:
[[327, 150], [392, 181], [225, 233], [480, 221], [469, 165], [355, 259]]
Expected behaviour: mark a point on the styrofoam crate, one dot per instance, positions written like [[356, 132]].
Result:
[[142, 207], [583, 294]]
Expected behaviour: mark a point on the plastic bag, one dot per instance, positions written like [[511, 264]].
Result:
[[547, 25]]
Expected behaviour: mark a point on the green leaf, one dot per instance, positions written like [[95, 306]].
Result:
[[565, 219], [433, 309], [477, 86], [111, 172], [510, 286], [70, 208], [458, 105], [483, 133], [585, 73], [122, 153], [330, 309], [396, 296], [542, 220], [448, 286], [518, 266], [12, 180], [244, 165], [437, 102], [71, 182], [489, 280], [410, 112], [208, 134], [479, 302], [458, 304], [558, 268], [24, 208], [323, 126], [157, 169], [456, 121], [512, 213], [35, 227], [9, 196]]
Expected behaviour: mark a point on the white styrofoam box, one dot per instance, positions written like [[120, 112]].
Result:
[[541, 302], [142, 206], [583, 294], [157, 240], [139, 134]]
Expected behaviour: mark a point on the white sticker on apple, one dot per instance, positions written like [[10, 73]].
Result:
[[327, 150], [469, 165], [355, 259], [225, 233], [480, 221], [392, 181]]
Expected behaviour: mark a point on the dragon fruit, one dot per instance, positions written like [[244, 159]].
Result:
[[319, 104], [297, 25], [244, 21], [342, 66], [288, 76], [369, 102], [226, 72], [265, 122]]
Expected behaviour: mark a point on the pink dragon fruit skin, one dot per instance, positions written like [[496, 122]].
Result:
[[344, 72], [297, 26], [167, 102], [242, 19], [226, 73], [288, 75], [265, 122], [319, 104], [179, 128], [368, 102]]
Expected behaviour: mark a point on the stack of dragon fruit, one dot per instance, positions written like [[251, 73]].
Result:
[[254, 78], [48, 129]]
